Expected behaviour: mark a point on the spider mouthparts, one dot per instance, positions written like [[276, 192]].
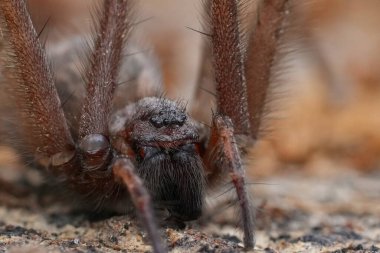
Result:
[[171, 144]]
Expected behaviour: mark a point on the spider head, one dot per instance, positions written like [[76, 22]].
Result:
[[163, 140], [162, 123]]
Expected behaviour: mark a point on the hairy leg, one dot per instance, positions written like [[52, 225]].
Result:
[[42, 122], [261, 51], [102, 75], [228, 63], [112, 32], [222, 157], [40, 106], [123, 169], [241, 84], [222, 154]]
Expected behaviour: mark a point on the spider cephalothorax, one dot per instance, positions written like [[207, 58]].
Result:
[[162, 140], [150, 152]]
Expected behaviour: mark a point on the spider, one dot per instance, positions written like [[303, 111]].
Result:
[[151, 150]]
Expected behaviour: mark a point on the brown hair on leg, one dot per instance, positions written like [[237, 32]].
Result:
[[43, 124]]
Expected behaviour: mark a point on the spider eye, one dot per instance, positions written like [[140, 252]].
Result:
[[157, 121], [167, 119]]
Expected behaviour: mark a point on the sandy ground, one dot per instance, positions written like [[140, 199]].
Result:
[[334, 211]]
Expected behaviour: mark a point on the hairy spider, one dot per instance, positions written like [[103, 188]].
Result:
[[151, 151]]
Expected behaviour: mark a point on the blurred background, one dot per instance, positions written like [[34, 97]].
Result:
[[319, 152]]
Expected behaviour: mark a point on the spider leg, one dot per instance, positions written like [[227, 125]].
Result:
[[112, 31], [241, 82], [228, 63], [222, 156], [42, 123], [261, 51], [124, 169], [241, 88]]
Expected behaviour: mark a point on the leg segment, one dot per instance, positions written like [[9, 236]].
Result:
[[228, 63], [222, 156], [262, 48], [242, 82], [112, 31], [123, 168], [241, 88], [232, 108], [41, 117]]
